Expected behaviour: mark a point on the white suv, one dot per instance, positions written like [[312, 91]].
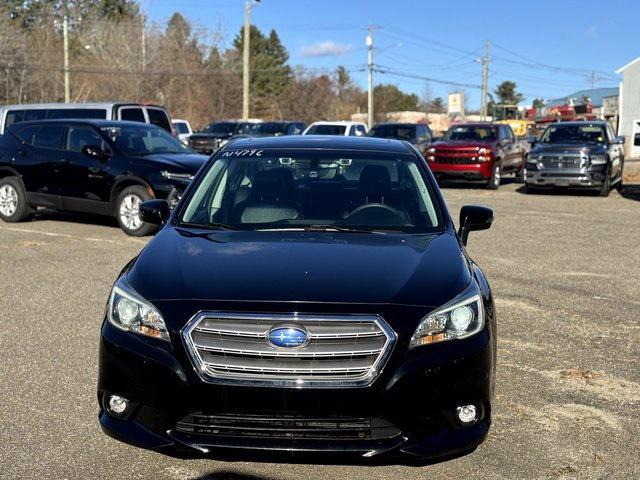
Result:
[[347, 129]]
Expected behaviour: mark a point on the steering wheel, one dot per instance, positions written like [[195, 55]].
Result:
[[375, 214]]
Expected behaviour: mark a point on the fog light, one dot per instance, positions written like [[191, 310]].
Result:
[[118, 405], [467, 413]]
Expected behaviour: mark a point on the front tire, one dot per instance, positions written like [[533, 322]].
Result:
[[606, 184], [496, 174], [14, 206], [127, 210]]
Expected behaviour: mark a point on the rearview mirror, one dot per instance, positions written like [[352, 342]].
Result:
[[96, 152], [155, 212], [474, 217]]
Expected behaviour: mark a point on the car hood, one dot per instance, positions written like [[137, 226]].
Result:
[[191, 162], [568, 149], [462, 144], [320, 267]]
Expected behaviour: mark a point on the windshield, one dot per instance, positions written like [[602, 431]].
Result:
[[269, 128], [326, 130], [143, 140], [297, 189], [402, 132], [181, 127], [587, 133], [479, 133], [223, 128]]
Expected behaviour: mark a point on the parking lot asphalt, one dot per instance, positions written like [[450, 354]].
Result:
[[565, 274]]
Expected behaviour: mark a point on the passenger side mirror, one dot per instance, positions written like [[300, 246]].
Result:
[[474, 217], [619, 140], [96, 152], [155, 212]]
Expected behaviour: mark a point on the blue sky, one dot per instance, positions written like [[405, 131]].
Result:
[[549, 48]]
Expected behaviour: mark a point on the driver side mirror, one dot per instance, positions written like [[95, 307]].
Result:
[[155, 212], [472, 218], [96, 151]]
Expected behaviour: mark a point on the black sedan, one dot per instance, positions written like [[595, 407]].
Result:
[[95, 166], [308, 295]]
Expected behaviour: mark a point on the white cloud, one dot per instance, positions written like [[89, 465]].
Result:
[[325, 49]]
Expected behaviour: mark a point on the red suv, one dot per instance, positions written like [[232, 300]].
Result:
[[480, 152]]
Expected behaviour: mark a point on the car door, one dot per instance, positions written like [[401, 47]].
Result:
[[507, 141], [88, 179], [48, 163]]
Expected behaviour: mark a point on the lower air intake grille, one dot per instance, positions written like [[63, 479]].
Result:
[[288, 349], [288, 427]]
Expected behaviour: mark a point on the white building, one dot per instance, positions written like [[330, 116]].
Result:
[[629, 105]]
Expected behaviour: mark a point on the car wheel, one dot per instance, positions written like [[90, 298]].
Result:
[[13, 200], [521, 175], [619, 183], [494, 181], [606, 184], [128, 211]]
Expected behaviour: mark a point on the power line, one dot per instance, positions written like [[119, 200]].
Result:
[[388, 71]]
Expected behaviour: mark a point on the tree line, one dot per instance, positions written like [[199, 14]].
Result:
[[116, 55]]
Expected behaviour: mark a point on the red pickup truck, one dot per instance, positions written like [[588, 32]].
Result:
[[479, 152]]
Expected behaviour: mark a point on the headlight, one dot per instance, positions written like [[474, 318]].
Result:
[[182, 177], [533, 158], [461, 318], [597, 159], [431, 150], [484, 151], [127, 310]]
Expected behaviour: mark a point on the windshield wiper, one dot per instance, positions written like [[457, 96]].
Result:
[[335, 228], [214, 226]]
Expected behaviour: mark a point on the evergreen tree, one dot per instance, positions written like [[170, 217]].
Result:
[[270, 75]]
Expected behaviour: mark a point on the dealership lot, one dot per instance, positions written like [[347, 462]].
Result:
[[564, 270]]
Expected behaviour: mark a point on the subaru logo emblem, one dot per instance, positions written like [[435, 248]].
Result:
[[287, 337]]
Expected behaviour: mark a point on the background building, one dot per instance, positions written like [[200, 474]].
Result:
[[629, 125]]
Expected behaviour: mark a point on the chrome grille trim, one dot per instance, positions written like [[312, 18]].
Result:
[[343, 351]]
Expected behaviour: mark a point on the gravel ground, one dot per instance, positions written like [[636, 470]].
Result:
[[564, 270]]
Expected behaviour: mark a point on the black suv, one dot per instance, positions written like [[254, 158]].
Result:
[[276, 129], [97, 166], [217, 134], [576, 154], [417, 134], [307, 294]]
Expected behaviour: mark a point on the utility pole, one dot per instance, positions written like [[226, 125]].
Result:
[[484, 101], [245, 60], [65, 41], [369, 42], [427, 99], [593, 79]]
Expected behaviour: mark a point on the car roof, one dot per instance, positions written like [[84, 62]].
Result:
[[581, 122], [337, 122], [408, 124], [321, 142], [35, 106], [95, 122]]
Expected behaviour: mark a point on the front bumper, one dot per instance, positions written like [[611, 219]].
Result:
[[413, 403], [480, 171], [588, 177]]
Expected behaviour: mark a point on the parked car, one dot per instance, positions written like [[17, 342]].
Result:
[[418, 134], [276, 129], [478, 152], [95, 166], [216, 134], [577, 154], [347, 129], [134, 112], [307, 295], [183, 130]]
